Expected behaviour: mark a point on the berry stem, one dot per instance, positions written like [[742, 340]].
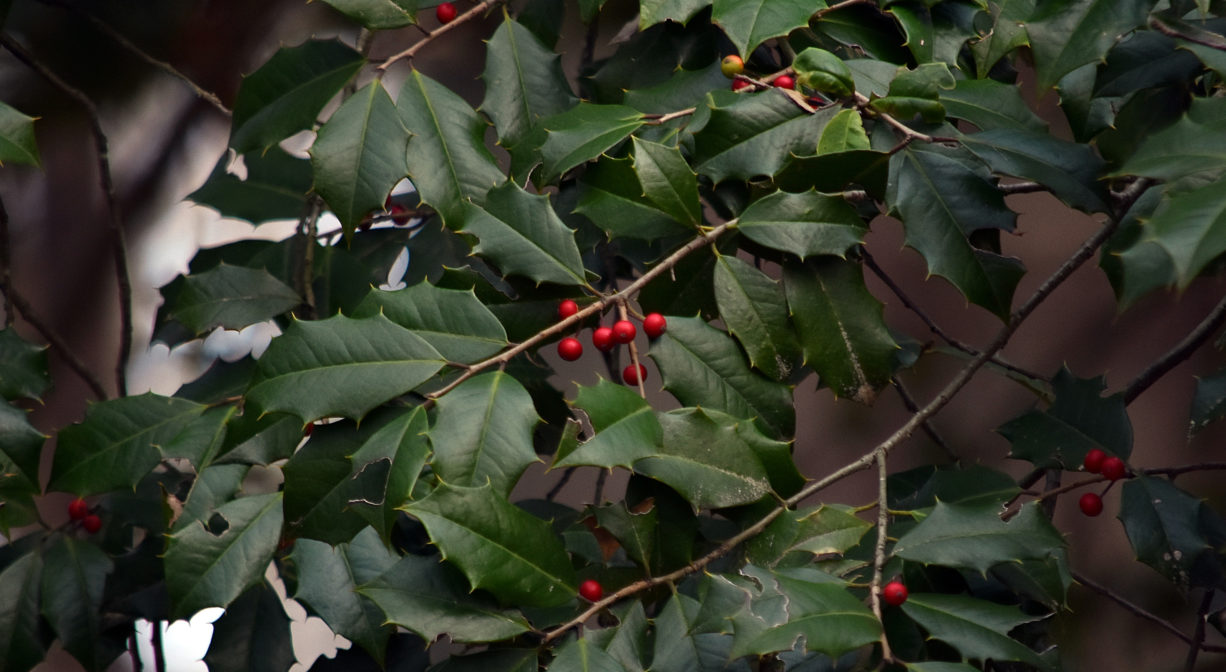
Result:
[[624, 313], [473, 13]]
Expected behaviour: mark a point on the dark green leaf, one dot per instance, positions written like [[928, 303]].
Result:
[[844, 133], [803, 224], [231, 297], [483, 434], [580, 655], [1191, 227], [341, 366], [253, 635], [1134, 263], [276, 187], [203, 439], [828, 617], [1209, 402], [824, 71], [359, 155], [319, 482], [1079, 420], [754, 136], [455, 322], [634, 530], [524, 82], [378, 14], [748, 24], [652, 12], [611, 196], [1008, 33], [1173, 532], [386, 467], [286, 94], [522, 235], [1066, 34], [823, 530], [626, 428], [497, 545], [836, 172], [678, 648], [754, 309], [668, 181], [17, 143], [989, 104], [974, 537], [21, 645], [212, 487], [977, 629], [74, 574], [583, 133], [260, 438], [23, 367], [20, 446], [1070, 170]]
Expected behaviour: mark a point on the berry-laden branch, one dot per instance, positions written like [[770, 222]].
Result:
[[115, 223], [471, 14]]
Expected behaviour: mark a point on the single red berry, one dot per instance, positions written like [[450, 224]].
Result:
[[1113, 468], [567, 308], [654, 325], [894, 593], [624, 331], [445, 12], [1091, 504], [1094, 461], [602, 338], [632, 376], [306, 431], [784, 82], [570, 349], [738, 84], [78, 509], [400, 216], [591, 590], [92, 523]]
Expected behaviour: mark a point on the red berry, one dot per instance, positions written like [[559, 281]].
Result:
[[894, 593], [1091, 504], [624, 331], [1094, 461], [567, 308], [602, 338], [400, 215], [445, 12], [1114, 468], [78, 509], [784, 82], [654, 325], [306, 431], [632, 376], [570, 349], [738, 84], [92, 523], [591, 590]]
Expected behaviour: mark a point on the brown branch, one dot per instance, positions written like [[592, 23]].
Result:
[[436, 33], [1021, 188], [908, 402], [883, 523], [1176, 355], [115, 224], [1141, 612], [909, 134], [1198, 633], [658, 119]]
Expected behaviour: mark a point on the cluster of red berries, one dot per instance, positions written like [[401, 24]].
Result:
[[78, 510], [732, 65], [1111, 467], [606, 338], [445, 12]]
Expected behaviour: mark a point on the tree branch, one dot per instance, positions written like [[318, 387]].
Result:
[[115, 224], [1198, 633], [435, 34], [1181, 351], [883, 522], [61, 348], [1139, 611]]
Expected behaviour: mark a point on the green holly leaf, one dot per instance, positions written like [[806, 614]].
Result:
[[212, 487], [498, 546], [260, 438], [483, 433], [678, 647], [702, 366], [455, 322], [634, 530], [583, 133], [748, 24], [841, 327], [825, 529], [990, 105], [212, 561], [830, 619], [1067, 34], [844, 133], [522, 235], [201, 441], [319, 482], [1079, 420], [378, 14], [917, 92], [74, 574], [824, 71], [979, 630], [1191, 228], [1007, 33], [21, 646], [1135, 263], [1173, 532], [359, 155], [976, 485], [286, 94], [1072, 171], [804, 224], [524, 82], [118, 442], [17, 142], [1209, 401], [341, 366], [942, 198], [447, 159], [431, 598], [276, 187], [386, 467], [974, 537], [704, 459], [611, 195], [580, 655], [231, 297], [328, 578], [652, 12], [628, 641], [626, 428], [836, 172], [755, 135], [20, 448], [753, 307], [23, 367], [254, 634], [668, 181]]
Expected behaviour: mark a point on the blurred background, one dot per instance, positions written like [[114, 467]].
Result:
[[164, 140]]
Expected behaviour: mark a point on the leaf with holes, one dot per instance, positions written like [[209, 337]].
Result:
[[1172, 531], [830, 619]]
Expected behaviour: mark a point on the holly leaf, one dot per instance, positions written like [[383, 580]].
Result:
[[626, 428], [118, 442], [1067, 34], [1079, 420], [455, 322], [319, 482], [254, 634], [634, 530], [499, 547], [804, 224], [21, 646], [1191, 228], [753, 307], [668, 181], [378, 14], [706, 460], [483, 433], [580, 655], [1008, 32], [447, 159], [748, 24], [1172, 531], [841, 327], [611, 195], [74, 574], [522, 235], [583, 133], [1070, 170], [276, 187], [17, 142], [678, 647], [974, 537], [524, 82], [212, 561], [830, 619], [844, 133], [431, 598], [286, 94], [231, 297], [755, 135], [979, 630], [702, 366], [23, 367], [990, 105], [341, 367], [212, 487], [826, 529], [386, 467], [652, 12], [359, 155], [1209, 401]]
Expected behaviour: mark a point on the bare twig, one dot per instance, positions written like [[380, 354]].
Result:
[[308, 227], [557, 487], [471, 14], [115, 223], [6, 279], [1198, 633], [61, 348], [883, 523], [1141, 612], [1181, 351], [909, 403], [657, 119], [1022, 188], [909, 134]]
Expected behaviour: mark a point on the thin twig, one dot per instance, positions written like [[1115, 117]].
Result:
[[306, 276], [909, 403], [1022, 187], [1181, 351], [6, 279], [115, 223], [471, 14], [1139, 611], [1202, 37], [598, 496], [883, 523], [159, 648], [909, 134], [1198, 633], [557, 487], [657, 119], [134, 651], [61, 348]]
